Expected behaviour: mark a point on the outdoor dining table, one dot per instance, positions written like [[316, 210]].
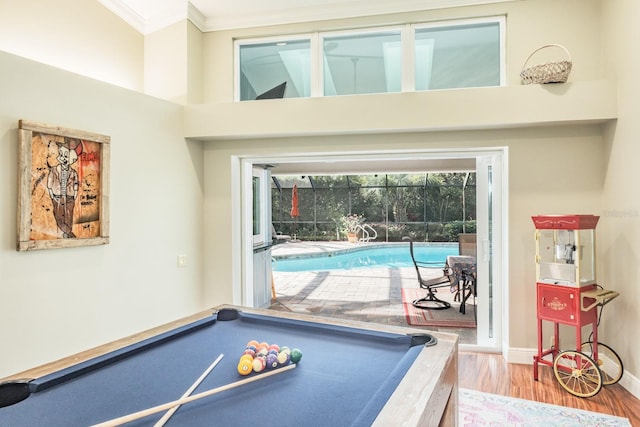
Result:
[[462, 269]]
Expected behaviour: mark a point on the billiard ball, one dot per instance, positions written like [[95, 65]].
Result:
[[259, 363], [296, 355], [283, 358], [245, 366], [250, 352], [272, 361], [252, 343], [285, 350], [246, 357], [275, 347]]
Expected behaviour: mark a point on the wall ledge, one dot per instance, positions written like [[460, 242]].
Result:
[[586, 102]]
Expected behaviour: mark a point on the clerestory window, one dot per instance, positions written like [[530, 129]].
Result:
[[407, 58], [274, 69], [458, 56]]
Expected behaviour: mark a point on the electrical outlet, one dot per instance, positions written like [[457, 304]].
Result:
[[182, 260]]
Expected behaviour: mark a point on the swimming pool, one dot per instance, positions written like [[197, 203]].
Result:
[[390, 256]]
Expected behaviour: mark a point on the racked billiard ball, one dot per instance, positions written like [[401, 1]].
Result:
[[272, 361], [285, 350], [283, 358], [245, 366], [246, 357], [296, 355], [259, 364]]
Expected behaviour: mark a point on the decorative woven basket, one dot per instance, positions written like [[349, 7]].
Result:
[[550, 72]]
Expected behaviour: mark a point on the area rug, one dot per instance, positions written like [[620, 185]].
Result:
[[483, 409], [451, 317]]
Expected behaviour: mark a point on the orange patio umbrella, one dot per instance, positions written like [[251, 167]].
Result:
[[294, 209], [294, 201]]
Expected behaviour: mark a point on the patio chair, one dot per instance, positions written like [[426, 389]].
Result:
[[430, 301], [467, 244], [278, 238]]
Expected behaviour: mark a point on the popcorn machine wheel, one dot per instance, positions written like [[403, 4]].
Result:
[[567, 294]]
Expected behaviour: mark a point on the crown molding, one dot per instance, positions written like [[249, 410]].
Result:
[[166, 13], [196, 17], [340, 10], [162, 16], [125, 13]]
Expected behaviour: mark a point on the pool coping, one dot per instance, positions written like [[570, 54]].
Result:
[[357, 247]]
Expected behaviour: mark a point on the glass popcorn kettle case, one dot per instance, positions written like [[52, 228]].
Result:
[[565, 249]]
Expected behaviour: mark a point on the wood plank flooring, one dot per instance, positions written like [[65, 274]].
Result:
[[490, 373]]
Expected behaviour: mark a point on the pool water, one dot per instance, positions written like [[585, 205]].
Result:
[[391, 256]]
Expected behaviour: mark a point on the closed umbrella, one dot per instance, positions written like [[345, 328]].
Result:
[[294, 208], [294, 201]]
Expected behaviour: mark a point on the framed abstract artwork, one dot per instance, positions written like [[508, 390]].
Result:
[[63, 187]]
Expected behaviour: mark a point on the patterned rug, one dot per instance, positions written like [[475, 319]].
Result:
[[450, 317], [491, 410]]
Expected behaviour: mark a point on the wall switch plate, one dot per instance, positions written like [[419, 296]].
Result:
[[182, 260]]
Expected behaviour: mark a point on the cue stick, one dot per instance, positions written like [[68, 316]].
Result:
[[162, 421], [146, 412]]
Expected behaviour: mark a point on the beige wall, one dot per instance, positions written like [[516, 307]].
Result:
[[195, 74], [57, 302], [619, 233], [165, 63], [79, 36], [173, 63]]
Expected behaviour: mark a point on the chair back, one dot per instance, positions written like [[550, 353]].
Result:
[[413, 258], [467, 244]]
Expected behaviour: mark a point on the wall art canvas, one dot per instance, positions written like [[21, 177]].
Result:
[[63, 194]]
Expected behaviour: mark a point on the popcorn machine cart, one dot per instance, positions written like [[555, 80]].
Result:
[[567, 294]]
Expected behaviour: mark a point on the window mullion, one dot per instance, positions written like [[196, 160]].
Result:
[[317, 70], [408, 59]]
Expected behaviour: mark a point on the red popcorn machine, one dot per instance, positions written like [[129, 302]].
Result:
[[567, 294]]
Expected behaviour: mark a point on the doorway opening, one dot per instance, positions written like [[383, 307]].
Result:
[[491, 191]]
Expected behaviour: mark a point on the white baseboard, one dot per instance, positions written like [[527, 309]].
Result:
[[524, 356], [520, 356], [631, 383]]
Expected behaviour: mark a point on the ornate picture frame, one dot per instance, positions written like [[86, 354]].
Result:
[[63, 187]]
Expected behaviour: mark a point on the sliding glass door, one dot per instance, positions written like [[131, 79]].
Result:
[[489, 252]]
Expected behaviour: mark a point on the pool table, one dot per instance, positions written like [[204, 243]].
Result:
[[350, 374]]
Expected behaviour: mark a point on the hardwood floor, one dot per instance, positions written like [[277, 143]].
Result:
[[490, 373]]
